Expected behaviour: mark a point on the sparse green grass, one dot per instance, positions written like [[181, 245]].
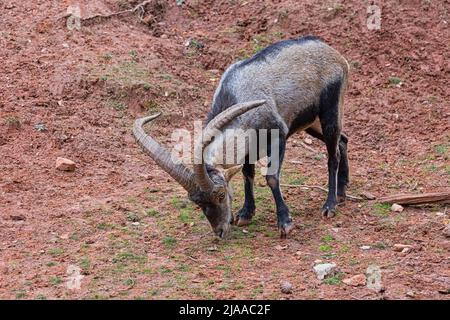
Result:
[[54, 281], [169, 242], [133, 217], [381, 209], [327, 238], [441, 149], [152, 212], [40, 297], [395, 81], [116, 105], [325, 248], [85, 264], [128, 256], [334, 280], [129, 282], [105, 226], [380, 245], [164, 270], [50, 264], [55, 252]]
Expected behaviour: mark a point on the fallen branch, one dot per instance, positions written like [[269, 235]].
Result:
[[136, 8], [308, 148], [412, 199], [350, 197]]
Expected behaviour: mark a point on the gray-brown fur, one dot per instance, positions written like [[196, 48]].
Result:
[[289, 86], [298, 79]]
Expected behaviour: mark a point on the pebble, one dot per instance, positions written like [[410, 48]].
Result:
[[356, 281], [308, 141], [401, 247], [286, 287], [410, 294], [64, 164], [367, 195], [397, 208], [446, 231], [365, 247], [324, 269], [373, 273]]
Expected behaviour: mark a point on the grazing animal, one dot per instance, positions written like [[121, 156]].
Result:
[[289, 86]]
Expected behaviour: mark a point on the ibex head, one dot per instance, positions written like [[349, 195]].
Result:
[[207, 186]]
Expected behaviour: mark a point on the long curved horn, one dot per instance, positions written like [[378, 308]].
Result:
[[201, 175], [182, 174]]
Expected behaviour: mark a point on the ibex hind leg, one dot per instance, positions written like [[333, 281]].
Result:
[[330, 123], [343, 172]]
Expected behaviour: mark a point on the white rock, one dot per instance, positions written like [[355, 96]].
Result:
[[446, 231], [324, 269], [373, 273], [308, 141], [365, 247], [396, 208], [74, 277], [401, 247]]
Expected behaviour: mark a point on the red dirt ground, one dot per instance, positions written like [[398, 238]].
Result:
[[130, 228]]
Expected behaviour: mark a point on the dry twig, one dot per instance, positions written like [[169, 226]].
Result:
[[350, 197]]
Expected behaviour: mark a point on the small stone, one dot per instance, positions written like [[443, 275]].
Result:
[[286, 287], [17, 217], [356, 281], [410, 294], [280, 247], [135, 223], [367, 195], [373, 273], [64, 236], [446, 231], [440, 214], [244, 231], [308, 141], [365, 247], [396, 208], [64, 164], [400, 247], [213, 248], [318, 261], [324, 269], [41, 127]]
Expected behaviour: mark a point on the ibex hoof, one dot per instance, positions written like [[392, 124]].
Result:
[[242, 222], [286, 229], [328, 212]]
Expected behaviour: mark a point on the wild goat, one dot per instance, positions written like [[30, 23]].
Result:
[[289, 86]]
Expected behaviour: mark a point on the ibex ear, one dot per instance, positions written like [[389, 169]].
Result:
[[229, 173]]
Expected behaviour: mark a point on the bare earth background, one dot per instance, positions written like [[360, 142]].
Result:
[[130, 228]]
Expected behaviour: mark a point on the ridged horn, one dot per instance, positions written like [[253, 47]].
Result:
[[201, 175], [182, 174]]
